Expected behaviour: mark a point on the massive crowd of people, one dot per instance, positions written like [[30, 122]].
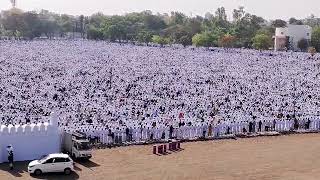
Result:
[[99, 88]]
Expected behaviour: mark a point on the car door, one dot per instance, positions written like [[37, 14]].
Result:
[[69, 163], [61, 164], [48, 166]]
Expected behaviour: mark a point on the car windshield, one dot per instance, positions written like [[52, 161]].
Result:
[[42, 160], [84, 146]]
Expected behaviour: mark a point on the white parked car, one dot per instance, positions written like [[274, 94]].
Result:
[[52, 163]]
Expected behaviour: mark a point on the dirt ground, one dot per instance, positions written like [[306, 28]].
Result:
[[291, 157]]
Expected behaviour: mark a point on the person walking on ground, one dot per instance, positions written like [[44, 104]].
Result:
[[260, 126], [10, 156], [170, 132]]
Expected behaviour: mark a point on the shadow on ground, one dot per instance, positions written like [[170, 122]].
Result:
[[19, 168], [88, 164], [58, 176]]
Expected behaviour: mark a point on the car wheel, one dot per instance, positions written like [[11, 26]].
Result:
[[38, 172], [67, 171]]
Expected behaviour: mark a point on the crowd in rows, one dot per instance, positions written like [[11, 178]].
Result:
[[221, 130], [103, 87]]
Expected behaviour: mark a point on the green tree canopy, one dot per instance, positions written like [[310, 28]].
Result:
[[279, 23], [185, 40], [295, 21], [94, 33], [315, 38], [205, 39], [160, 40], [214, 29], [144, 37], [262, 41]]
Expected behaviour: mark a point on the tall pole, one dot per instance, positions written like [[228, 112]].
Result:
[[295, 98]]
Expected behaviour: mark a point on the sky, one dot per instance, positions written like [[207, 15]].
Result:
[[268, 9]]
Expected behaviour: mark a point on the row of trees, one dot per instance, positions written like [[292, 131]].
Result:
[[19, 24], [214, 29]]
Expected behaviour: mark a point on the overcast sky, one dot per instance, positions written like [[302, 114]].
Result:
[[268, 9]]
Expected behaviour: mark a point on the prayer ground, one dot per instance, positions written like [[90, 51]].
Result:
[[291, 157]]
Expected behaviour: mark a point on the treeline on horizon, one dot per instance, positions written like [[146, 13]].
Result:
[[213, 30]]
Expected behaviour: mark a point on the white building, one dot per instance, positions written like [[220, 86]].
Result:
[[288, 37], [30, 141]]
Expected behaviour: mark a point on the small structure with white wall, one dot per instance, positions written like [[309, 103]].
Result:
[[30, 141], [288, 37]]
